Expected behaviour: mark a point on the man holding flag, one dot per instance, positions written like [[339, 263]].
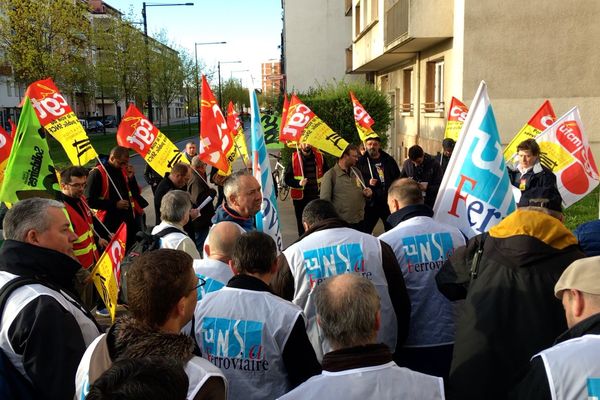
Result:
[[379, 170]]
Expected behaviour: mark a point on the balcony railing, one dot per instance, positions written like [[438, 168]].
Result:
[[396, 21]]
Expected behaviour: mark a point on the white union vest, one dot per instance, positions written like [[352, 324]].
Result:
[[380, 382], [216, 274], [421, 246], [21, 297], [243, 332], [197, 369], [337, 251], [569, 364]]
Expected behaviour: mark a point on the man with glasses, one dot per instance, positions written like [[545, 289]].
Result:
[[111, 189], [72, 184], [344, 186], [162, 289]]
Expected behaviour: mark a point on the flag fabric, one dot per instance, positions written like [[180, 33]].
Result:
[[284, 112], [57, 117], [107, 272], [29, 170], [267, 219], [564, 148], [13, 128], [456, 118], [137, 133], [237, 132], [476, 193], [215, 139], [542, 119], [302, 125], [363, 120], [6, 142]]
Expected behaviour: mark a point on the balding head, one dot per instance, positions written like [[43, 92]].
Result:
[[404, 192], [221, 240], [348, 308]]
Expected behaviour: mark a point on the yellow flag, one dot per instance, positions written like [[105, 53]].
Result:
[[106, 274]]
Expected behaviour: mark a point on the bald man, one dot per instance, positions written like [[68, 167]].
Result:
[[214, 268]]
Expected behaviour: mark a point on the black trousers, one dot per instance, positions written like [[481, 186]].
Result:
[[298, 208], [373, 214]]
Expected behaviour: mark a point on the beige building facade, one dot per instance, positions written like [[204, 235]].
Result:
[[423, 52]]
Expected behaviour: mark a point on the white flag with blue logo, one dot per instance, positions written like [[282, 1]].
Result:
[[476, 193], [267, 219]]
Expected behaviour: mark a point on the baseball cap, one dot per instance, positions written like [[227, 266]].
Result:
[[582, 275]]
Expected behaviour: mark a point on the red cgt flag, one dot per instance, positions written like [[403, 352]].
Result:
[[215, 137], [284, 113], [233, 120]]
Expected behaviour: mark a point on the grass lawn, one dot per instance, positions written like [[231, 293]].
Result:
[[584, 210], [103, 143]]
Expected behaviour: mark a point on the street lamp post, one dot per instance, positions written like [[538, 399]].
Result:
[[148, 83], [197, 74], [219, 73]]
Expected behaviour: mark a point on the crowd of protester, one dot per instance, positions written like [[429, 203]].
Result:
[[420, 312]]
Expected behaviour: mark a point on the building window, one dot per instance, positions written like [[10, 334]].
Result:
[[357, 27], [407, 106], [434, 87]]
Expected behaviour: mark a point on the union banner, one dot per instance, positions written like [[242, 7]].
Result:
[[57, 117], [137, 133], [363, 120]]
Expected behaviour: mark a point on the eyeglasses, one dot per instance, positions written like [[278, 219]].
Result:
[[77, 185], [201, 282]]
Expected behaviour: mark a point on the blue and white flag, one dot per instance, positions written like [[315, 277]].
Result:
[[476, 193], [267, 219]]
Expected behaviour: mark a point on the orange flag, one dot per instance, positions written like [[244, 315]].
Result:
[[363, 120], [284, 113], [456, 118], [215, 138], [542, 119]]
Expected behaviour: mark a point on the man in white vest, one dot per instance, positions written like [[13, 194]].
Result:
[[161, 291], [257, 339], [329, 248], [215, 269], [422, 245], [45, 328], [349, 314], [570, 369]]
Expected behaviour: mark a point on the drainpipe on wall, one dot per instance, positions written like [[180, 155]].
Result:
[[418, 100]]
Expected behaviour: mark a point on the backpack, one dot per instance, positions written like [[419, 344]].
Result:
[[145, 242], [13, 385]]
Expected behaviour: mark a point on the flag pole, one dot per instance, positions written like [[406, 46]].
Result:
[[358, 177], [300, 160]]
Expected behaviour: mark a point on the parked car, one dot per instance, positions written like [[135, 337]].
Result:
[[95, 127], [84, 123], [110, 121]]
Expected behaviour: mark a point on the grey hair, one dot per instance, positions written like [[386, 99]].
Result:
[[232, 184], [347, 310], [26, 215], [196, 162], [175, 205]]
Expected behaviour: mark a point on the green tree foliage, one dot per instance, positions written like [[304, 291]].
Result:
[[331, 102], [120, 60], [232, 90], [40, 38]]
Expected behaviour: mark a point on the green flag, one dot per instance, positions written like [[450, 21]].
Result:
[[30, 170]]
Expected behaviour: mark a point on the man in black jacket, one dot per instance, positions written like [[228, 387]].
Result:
[[177, 179], [563, 371], [509, 312], [328, 248], [45, 328], [424, 169], [380, 170], [200, 191]]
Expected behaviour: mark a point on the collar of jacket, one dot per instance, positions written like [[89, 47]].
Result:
[[356, 357], [25, 259], [535, 224], [590, 325], [224, 213], [536, 169], [128, 338], [408, 212], [248, 282], [328, 223]]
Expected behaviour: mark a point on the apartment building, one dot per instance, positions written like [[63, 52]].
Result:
[[271, 77], [423, 52], [316, 42]]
